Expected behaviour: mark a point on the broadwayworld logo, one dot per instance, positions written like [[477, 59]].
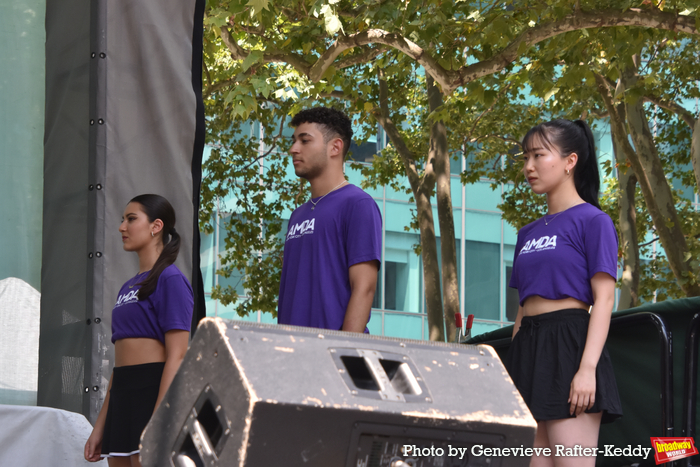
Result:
[[539, 244], [671, 449]]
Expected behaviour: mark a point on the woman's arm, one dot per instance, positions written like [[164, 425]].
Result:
[[93, 445], [176, 342], [582, 392]]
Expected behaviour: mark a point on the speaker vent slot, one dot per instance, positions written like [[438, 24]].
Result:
[[360, 373], [380, 375], [188, 455], [210, 422], [204, 433], [401, 377]]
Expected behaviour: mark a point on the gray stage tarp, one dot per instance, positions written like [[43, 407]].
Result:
[[123, 117]]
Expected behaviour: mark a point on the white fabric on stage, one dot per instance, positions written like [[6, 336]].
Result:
[[19, 345], [41, 436]]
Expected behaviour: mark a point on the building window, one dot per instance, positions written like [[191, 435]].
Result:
[[403, 284], [482, 274]]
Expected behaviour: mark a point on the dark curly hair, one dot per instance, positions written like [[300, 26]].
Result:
[[334, 123]]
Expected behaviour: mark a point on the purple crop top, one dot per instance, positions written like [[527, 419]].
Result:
[[168, 307], [558, 260]]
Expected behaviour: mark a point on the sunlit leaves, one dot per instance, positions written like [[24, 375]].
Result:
[[265, 77], [560, 72], [258, 5], [331, 20]]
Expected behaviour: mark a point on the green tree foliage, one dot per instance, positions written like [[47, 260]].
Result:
[[249, 170], [431, 73], [610, 74]]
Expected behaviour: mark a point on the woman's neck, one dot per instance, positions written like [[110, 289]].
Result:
[[148, 258], [562, 199]]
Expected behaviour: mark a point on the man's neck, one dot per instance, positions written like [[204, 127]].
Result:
[[323, 186]]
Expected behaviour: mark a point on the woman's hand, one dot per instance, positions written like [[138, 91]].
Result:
[[93, 446], [582, 391]]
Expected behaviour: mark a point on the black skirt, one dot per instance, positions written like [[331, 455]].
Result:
[[131, 402], [544, 358]]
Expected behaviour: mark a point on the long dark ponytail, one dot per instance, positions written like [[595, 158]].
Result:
[[569, 137], [157, 207]]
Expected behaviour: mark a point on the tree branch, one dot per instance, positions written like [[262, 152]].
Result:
[[384, 118], [364, 57], [239, 53], [654, 54], [493, 104], [253, 31], [335, 95], [378, 36], [598, 113], [578, 20], [505, 139], [673, 106], [450, 80], [206, 70], [649, 242], [208, 91]]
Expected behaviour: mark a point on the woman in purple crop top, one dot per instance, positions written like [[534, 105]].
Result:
[[150, 330], [565, 264]]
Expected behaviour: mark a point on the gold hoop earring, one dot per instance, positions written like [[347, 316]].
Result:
[[568, 171]]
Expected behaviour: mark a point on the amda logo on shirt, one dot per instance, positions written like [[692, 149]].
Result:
[[297, 230], [540, 244], [131, 296]]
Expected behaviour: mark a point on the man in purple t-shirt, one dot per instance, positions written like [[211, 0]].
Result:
[[333, 246]]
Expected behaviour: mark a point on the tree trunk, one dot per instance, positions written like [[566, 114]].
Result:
[[661, 205], [439, 156], [422, 188], [695, 153], [431, 270], [694, 125], [652, 181], [629, 291]]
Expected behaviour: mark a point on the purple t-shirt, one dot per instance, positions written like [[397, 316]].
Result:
[[168, 307], [558, 260], [345, 228]]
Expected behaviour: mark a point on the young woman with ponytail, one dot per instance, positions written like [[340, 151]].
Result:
[[565, 268], [150, 330]]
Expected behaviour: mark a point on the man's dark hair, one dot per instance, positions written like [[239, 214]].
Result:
[[333, 123]]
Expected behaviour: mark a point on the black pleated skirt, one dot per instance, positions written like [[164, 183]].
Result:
[[131, 402], [543, 359]]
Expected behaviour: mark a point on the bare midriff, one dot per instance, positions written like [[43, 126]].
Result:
[[537, 305], [137, 351]]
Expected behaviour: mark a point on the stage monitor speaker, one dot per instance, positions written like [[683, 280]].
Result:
[[259, 395]]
